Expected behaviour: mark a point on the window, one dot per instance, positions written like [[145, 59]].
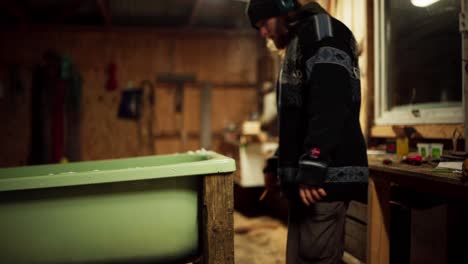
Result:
[[418, 62]]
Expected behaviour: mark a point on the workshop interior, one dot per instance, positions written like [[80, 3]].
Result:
[[138, 132]]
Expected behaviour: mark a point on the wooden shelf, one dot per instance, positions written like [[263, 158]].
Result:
[[442, 131]]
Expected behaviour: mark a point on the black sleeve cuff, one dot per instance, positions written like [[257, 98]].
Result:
[[312, 172]]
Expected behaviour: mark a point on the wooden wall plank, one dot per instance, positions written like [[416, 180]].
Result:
[[217, 59], [442, 131], [216, 56], [231, 104], [192, 109]]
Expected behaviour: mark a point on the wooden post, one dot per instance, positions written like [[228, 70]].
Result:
[[369, 68], [378, 225], [205, 116], [218, 219], [464, 37]]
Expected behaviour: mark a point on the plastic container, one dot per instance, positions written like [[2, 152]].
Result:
[[402, 147], [423, 150], [436, 150], [124, 210]]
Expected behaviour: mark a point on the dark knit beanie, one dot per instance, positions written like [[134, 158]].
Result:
[[258, 10]]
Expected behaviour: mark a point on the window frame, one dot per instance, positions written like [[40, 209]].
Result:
[[440, 113]]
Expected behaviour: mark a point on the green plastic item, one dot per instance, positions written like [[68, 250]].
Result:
[[122, 210]]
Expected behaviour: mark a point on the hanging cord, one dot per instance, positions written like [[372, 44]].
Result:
[[147, 85]]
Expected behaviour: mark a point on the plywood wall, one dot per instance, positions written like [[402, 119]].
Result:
[[226, 59]]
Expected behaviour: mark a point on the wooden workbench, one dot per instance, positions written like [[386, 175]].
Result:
[[417, 178]]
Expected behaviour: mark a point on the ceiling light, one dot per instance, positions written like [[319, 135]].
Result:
[[423, 3]]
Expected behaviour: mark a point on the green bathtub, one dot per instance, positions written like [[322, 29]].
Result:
[[122, 210]]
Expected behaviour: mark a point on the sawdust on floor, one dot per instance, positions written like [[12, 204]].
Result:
[[259, 240]]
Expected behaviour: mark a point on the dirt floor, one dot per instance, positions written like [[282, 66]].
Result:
[[259, 240]]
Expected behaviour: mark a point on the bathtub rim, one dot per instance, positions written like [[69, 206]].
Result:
[[213, 163]]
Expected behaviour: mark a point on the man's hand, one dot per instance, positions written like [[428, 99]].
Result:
[[311, 195]]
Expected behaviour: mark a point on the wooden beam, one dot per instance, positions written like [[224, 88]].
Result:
[[69, 9], [464, 10], [161, 32], [189, 135], [105, 11], [218, 219], [217, 85], [206, 133]]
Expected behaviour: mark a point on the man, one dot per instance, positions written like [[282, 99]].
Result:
[[321, 162]]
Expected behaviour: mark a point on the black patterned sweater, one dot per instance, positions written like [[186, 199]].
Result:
[[319, 98]]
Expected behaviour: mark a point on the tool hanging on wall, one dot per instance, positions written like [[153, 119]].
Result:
[[111, 84], [39, 106], [56, 91], [147, 134], [73, 109], [179, 81], [14, 88], [55, 110], [205, 115], [130, 103]]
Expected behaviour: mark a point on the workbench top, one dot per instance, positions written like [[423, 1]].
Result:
[[423, 171]]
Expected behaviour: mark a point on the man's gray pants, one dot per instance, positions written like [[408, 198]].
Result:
[[316, 233]]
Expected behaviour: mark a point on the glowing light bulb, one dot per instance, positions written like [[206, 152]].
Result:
[[423, 3]]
